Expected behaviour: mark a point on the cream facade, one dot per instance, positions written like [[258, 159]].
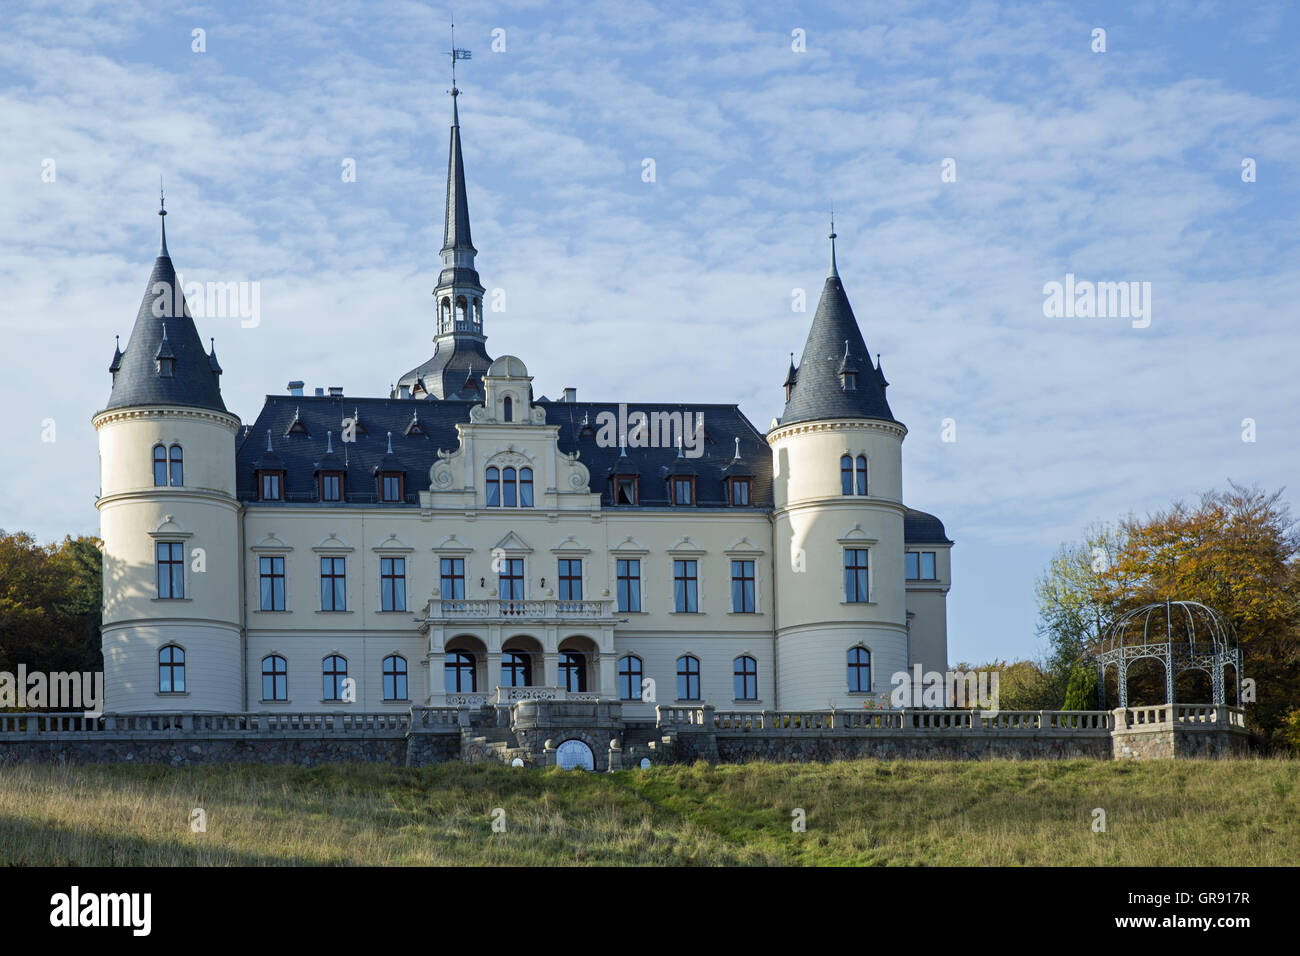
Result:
[[461, 541]]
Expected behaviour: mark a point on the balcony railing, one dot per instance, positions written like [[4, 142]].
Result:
[[502, 609]]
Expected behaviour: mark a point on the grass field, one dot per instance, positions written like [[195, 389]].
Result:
[[1170, 813]]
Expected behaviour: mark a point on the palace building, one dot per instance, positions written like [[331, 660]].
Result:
[[463, 541]]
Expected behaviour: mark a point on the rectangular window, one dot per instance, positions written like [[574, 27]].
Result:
[[331, 487], [855, 576], [629, 584], [920, 566], [624, 491], [391, 488], [392, 584], [685, 584], [270, 486], [570, 579], [739, 492], [511, 579], [333, 585], [683, 489], [272, 574], [742, 587], [453, 579], [171, 570]]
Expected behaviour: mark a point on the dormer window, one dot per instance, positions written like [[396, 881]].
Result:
[[623, 489], [270, 485], [330, 485], [738, 491], [392, 486], [849, 381], [683, 490]]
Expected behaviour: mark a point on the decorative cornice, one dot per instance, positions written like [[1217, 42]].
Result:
[[897, 429], [164, 411]]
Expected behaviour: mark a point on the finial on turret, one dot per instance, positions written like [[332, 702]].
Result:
[[834, 271], [162, 218]]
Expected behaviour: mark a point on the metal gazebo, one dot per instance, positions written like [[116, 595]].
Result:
[[1183, 635]]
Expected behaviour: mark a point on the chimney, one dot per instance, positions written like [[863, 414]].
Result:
[[295, 388], [404, 391], [336, 391], [570, 395], [320, 392]]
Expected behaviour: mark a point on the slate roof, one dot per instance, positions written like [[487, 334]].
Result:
[[920, 527], [817, 393], [455, 232], [447, 374], [300, 453], [136, 381]]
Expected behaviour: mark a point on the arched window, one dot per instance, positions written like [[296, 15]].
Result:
[[334, 671], [746, 675], [508, 487], [508, 409], [630, 671], [859, 670], [459, 674], [846, 475], [444, 314], [573, 671], [395, 677], [171, 669], [275, 678], [516, 669], [493, 488], [525, 487], [159, 466], [862, 475], [688, 678], [461, 309], [177, 467]]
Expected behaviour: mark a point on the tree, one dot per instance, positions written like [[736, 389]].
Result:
[[1079, 594], [1081, 692], [49, 603], [1236, 551]]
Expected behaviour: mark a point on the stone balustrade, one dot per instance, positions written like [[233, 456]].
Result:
[[507, 610], [1090, 722]]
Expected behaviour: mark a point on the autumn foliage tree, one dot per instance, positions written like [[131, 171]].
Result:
[[49, 603], [1235, 551]]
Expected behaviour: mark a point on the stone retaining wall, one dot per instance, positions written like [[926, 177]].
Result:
[[682, 735]]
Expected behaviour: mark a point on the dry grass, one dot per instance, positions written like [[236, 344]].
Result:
[[1184, 813]]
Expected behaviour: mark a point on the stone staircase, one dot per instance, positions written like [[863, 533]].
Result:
[[485, 742]]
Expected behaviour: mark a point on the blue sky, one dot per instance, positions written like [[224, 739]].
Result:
[[1116, 166]]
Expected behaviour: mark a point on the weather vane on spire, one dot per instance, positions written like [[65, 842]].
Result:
[[457, 53]]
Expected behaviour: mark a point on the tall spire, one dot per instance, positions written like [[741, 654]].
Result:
[[455, 234], [162, 218], [458, 296]]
